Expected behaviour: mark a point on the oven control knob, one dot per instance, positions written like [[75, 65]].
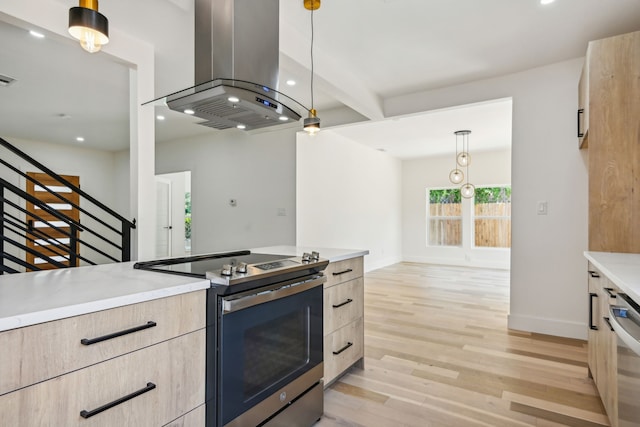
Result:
[[315, 256], [306, 257], [241, 268], [227, 270]]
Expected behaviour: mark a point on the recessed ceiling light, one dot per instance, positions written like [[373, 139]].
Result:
[[80, 139], [241, 126], [291, 82], [283, 118], [233, 99], [546, 1], [36, 34], [188, 111], [160, 117]]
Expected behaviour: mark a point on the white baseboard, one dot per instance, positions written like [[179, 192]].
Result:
[[541, 325], [503, 265], [381, 262]]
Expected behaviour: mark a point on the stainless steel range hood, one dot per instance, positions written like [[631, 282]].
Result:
[[236, 67]]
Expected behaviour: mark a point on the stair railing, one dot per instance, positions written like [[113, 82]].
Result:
[[106, 235]]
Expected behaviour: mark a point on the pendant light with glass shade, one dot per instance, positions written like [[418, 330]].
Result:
[[89, 26], [462, 160], [456, 175], [312, 123]]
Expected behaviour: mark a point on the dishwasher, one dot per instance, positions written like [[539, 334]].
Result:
[[625, 320]]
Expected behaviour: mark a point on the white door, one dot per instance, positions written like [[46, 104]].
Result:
[[163, 217]]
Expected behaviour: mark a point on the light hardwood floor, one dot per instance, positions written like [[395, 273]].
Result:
[[438, 353]]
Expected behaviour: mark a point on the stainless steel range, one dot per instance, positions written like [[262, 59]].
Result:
[[264, 336]]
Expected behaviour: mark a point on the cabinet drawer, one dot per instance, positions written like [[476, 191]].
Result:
[[343, 304], [338, 342], [195, 418], [343, 271], [47, 350], [176, 368]]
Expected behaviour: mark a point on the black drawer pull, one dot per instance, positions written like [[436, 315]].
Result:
[[349, 300], [89, 341], [348, 270], [89, 414], [580, 113], [593, 274], [591, 325], [606, 319], [610, 292], [349, 344]]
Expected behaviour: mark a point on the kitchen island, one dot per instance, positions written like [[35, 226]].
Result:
[[81, 338]]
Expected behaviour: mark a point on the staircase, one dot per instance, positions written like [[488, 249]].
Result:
[[38, 230]]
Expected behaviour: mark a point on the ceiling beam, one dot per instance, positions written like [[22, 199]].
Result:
[[335, 77]]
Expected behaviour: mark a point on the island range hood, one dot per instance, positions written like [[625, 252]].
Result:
[[236, 67]]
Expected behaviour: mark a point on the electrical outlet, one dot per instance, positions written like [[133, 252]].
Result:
[[542, 207]]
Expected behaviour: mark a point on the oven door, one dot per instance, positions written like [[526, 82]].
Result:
[[270, 349]]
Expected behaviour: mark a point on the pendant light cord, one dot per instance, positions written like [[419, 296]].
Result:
[[312, 55]]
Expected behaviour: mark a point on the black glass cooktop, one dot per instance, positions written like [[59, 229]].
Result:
[[198, 266]]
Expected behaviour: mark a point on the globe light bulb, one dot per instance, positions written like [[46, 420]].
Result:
[[467, 191], [456, 176], [463, 159]]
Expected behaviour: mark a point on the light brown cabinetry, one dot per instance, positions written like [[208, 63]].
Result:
[[612, 95], [343, 317], [583, 105], [51, 377], [602, 344]]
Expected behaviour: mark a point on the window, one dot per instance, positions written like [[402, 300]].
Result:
[[444, 218], [492, 217]]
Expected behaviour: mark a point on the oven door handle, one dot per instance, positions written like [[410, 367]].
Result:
[[631, 341], [235, 304]]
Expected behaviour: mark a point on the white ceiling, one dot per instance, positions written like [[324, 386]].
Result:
[[365, 51]]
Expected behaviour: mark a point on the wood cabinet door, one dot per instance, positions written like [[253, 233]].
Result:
[[50, 349], [594, 324], [169, 377]]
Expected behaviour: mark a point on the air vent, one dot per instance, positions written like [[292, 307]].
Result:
[[6, 80]]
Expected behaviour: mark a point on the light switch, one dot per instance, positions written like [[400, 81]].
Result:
[[542, 207]]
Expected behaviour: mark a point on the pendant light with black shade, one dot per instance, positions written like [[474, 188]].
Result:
[[312, 122], [89, 26]]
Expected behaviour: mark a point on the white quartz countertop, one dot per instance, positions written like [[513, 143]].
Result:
[[332, 254], [37, 297], [621, 268]]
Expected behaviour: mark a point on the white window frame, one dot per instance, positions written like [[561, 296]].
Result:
[[474, 217], [439, 217]]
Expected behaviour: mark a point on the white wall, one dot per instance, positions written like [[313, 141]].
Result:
[[348, 196], [121, 181], [548, 281], [489, 168], [258, 170]]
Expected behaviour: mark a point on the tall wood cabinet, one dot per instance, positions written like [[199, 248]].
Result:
[[609, 91], [137, 365], [609, 126]]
